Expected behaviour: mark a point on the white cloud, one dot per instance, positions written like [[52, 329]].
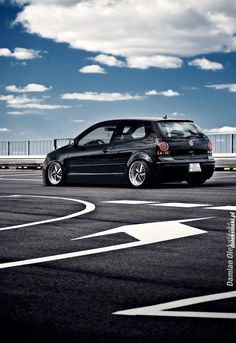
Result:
[[94, 96], [152, 92], [4, 129], [135, 28], [22, 101], [231, 87], [224, 129], [25, 112], [92, 69], [31, 87], [15, 113], [177, 114], [20, 53], [190, 88], [158, 61], [205, 64], [141, 62], [4, 52], [108, 60], [168, 93], [39, 106], [79, 121], [18, 100], [62, 2]]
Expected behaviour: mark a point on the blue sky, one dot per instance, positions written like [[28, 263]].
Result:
[[65, 64]]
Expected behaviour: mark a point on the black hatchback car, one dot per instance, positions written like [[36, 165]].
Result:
[[138, 151]]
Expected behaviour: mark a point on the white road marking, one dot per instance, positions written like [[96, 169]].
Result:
[[160, 310], [149, 233], [11, 179], [225, 208], [128, 202], [89, 207], [172, 204], [180, 204], [225, 174], [20, 174], [145, 233]]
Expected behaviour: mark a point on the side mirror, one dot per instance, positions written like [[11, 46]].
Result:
[[71, 142], [79, 146]]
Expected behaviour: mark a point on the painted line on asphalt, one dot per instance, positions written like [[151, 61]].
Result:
[[172, 204], [20, 174], [224, 208], [160, 310], [89, 207], [11, 179], [155, 203], [148, 233], [154, 232], [180, 204], [223, 174], [129, 202]]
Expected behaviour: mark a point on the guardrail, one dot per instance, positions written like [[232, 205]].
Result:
[[31, 153], [223, 143], [31, 147]]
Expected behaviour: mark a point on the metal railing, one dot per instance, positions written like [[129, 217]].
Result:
[[222, 143], [31, 147]]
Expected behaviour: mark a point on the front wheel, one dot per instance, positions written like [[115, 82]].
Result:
[[54, 174], [139, 174]]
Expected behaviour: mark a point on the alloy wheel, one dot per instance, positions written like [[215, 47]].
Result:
[[137, 173], [55, 173]]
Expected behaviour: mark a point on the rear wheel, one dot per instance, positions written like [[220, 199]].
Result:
[[139, 174], [55, 175], [196, 180]]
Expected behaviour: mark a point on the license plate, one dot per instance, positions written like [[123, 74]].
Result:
[[194, 167]]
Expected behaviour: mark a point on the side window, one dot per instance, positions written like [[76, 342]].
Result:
[[139, 132], [100, 135], [131, 132]]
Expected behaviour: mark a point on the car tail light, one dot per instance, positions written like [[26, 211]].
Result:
[[162, 147], [209, 147]]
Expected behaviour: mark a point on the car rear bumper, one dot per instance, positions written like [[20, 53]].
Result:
[[178, 170]]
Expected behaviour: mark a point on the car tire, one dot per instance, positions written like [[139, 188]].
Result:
[[139, 174], [55, 175], [196, 181]]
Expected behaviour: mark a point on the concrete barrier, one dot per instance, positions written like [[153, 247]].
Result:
[[22, 161], [225, 162]]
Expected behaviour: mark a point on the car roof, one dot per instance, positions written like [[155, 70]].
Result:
[[151, 119]]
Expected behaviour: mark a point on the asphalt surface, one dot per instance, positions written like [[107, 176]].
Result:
[[57, 289]]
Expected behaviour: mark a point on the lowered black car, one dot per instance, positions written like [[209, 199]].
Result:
[[138, 151]]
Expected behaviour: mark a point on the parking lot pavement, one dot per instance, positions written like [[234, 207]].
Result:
[[115, 264]]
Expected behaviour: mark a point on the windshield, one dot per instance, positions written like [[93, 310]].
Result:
[[181, 129]]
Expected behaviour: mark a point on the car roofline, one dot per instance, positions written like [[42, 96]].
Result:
[[151, 119]]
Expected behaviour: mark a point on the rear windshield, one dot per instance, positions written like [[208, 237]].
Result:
[[181, 129]]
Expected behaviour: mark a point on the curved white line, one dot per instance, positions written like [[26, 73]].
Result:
[[89, 207]]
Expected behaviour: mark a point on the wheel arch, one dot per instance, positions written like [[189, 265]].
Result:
[[139, 156]]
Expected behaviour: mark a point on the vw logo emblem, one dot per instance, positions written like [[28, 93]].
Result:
[[190, 142]]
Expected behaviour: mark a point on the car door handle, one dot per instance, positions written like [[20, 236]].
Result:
[[106, 150]]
